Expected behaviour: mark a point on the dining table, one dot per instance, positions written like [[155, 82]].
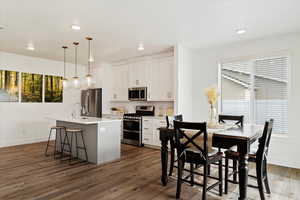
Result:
[[222, 138]]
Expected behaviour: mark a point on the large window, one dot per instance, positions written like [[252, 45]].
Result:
[[257, 89]]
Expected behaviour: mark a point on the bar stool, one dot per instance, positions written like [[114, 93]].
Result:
[[69, 143], [58, 129]]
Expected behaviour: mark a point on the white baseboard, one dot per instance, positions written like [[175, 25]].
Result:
[[24, 141], [285, 163]]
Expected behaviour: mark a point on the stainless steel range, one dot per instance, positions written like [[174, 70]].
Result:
[[132, 125]]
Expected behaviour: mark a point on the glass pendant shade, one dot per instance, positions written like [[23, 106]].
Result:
[[89, 80], [90, 60], [76, 81], [91, 57], [65, 80]]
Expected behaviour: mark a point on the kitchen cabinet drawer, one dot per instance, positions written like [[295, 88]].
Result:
[[147, 139], [147, 130], [147, 122]]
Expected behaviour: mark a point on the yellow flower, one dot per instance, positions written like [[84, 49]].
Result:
[[212, 95]]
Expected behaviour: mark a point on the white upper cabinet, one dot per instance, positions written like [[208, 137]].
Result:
[[157, 74], [162, 80], [139, 74], [120, 83]]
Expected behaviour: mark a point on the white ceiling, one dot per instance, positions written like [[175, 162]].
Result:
[[117, 26]]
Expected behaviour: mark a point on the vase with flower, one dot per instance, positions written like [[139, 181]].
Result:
[[212, 97]]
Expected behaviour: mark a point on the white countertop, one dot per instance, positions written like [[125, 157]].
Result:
[[87, 120]]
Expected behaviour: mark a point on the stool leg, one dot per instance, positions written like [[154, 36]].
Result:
[[54, 154], [46, 151], [63, 145], [76, 143], [61, 141], [71, 149], [86, 155]]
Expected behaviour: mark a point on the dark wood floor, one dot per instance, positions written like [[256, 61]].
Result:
[[25, 173]]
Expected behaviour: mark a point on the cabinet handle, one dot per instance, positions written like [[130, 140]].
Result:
[[146, 128], [137, 82], [115, 96]]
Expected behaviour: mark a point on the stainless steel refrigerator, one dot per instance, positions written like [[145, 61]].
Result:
[[91, 102]]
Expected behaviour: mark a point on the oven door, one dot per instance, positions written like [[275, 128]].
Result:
[[132, 131], [132, 125]]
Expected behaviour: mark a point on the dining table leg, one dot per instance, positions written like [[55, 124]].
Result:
[[164, 161], [243, 176]]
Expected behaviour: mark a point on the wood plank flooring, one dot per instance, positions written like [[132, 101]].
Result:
[[26, 174]]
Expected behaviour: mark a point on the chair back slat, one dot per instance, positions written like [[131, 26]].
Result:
[[201, 131], [175, 117], [264, 141], [238, 119]]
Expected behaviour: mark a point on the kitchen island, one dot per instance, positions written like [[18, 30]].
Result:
[[102, 137]]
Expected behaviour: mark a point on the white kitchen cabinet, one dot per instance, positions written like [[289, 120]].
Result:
[[120, 83], [156, 74], [167, 78], [139, 74], [150, 132], [154, 83], [162, 80], [147, 135]]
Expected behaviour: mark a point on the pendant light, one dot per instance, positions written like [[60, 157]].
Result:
[[76, 78], [90, 59], [65, 80]]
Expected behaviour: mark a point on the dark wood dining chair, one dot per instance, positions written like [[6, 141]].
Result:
[[259, 158], [238, 120], [172, 145], [197, 155]]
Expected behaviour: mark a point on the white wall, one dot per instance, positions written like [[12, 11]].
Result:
[[202, 71], [22, 123]]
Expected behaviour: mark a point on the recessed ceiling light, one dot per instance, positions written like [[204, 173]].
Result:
[[30, 47], [75, 27], [240, 31], [141, 47]]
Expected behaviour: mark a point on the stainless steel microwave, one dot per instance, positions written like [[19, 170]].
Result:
[[137, 94]]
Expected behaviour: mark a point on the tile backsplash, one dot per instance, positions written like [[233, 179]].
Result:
[[160, 107]]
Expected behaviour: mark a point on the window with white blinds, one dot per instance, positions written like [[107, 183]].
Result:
[[257, 89]]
